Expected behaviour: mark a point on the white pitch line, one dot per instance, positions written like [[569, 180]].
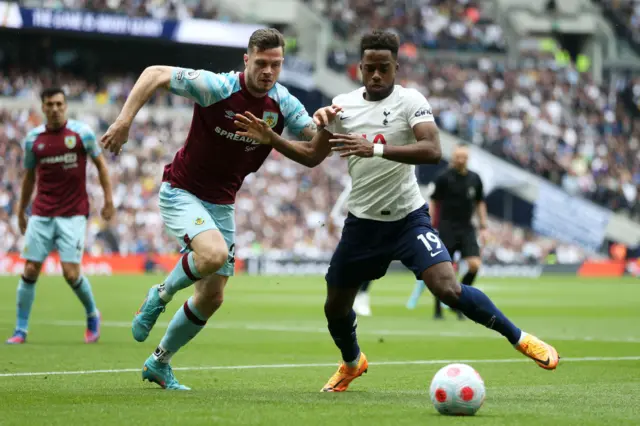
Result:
[[275, 366], [361, 331]]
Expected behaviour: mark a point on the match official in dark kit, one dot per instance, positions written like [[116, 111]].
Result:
[[458, 194]]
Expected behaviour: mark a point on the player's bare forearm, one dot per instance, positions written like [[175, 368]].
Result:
[[426, 150], [26, 191], [419, 153], [308, 154], [105, 180], [151, 79], [482, 214], [434, 212]]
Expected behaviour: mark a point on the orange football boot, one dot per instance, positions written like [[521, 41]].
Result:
[[340, 381], [542, 353]]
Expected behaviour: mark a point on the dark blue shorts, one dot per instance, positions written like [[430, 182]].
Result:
[[367, 247]]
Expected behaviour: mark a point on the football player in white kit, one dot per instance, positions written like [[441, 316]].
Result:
[[384, 130]]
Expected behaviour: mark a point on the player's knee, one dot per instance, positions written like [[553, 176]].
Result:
[[213, 301], [71, 277], [474, 265], [216, 301], [31, 271], [450, 293], [441, 281], [211, 259], [208, 300], [335, 310], [336, 306]]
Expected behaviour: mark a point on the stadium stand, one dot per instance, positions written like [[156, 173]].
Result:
[[432, 24], [280, 195], [172, 9], [625, 14], [548, 118]]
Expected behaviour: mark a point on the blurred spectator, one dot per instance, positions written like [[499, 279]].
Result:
[[160, 9], [625, 15], [283, 208], [547, 118], [432, 24]]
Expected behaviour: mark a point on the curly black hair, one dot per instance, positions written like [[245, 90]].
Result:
[[380, 40]]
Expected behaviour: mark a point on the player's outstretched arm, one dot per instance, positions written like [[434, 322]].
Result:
[[419, 117], [26, 191], [425, 151], [308, 153], [151, 79]]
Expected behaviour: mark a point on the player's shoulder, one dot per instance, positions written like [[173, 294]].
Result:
[[33, 134], [181, 73], [407, 93], [230, 80], [281, 94], [474, 175], [36, 131], [354, 96], [287, 102], [79, 127]]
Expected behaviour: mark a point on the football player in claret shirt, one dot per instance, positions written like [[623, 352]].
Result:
[[384, 130], [55, 162], [199, 187]]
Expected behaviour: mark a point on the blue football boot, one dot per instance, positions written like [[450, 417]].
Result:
[[148, 314], [161, 374]]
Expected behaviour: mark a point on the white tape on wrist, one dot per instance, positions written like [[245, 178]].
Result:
[[378, 150]]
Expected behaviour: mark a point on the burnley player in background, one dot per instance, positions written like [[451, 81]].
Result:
[[388, 217], [199, 189], [55, 159]]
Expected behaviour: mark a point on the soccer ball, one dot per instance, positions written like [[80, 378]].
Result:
[[457, 389]]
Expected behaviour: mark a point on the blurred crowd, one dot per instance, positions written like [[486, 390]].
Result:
[[27, 84], [284, 208], [544, 113], [548, 117], [545, 116], [509, 244], [625, 14], [159, 9], [432, 24]]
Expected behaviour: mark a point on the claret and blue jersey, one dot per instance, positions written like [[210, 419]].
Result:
[[61, 204], [59, 157], [215, 160]]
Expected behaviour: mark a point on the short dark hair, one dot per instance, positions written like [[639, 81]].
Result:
[[51, 91], [380, 40], [265, 39]]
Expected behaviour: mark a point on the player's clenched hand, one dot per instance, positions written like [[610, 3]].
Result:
[[253, 128], [116, 136], [348, 145], [22, 222], [325, 116], [108, 211]]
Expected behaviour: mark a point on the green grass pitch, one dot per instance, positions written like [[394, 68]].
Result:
[[265, 355]]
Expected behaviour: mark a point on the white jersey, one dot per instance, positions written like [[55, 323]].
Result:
[[381, 189]]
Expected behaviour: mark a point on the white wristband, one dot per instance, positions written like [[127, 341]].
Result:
[[378, 150]]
